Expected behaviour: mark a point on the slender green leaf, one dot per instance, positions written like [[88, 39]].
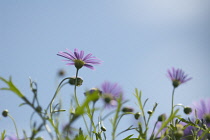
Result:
[[11, 87], [3, 135]]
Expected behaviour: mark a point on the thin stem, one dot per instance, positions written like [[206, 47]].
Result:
[[56, 92], [14, 125], [43, 118], [148, 121], [107, 115], [172, 103], [75, 88], [114, 122], [154, 129], [129, 128], [75, 96], [92, 123]]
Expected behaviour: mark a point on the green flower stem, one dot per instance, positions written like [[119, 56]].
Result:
[[152, 136], [50, 106], [179, 105], [172, 103], [43, 118], [121, 118], [107, 115], [75, 96], [148, 121], [56, 93], [75, 88], [91, 119], [138, 96], [114, 122], [15, 126]]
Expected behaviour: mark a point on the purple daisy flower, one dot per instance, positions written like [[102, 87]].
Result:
[[202, 108], [110, 93], [178, 77], [78, 59]]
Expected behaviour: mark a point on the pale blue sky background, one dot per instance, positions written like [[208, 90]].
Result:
[[137, 40]]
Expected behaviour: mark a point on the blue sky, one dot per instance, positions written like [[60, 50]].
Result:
[[136, 40]]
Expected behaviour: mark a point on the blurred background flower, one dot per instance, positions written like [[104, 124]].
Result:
[[110, 93]]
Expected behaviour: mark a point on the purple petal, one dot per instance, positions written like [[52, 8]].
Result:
[[89, 66], [69, 63], [87, 56], [65, 56], [81, 54]]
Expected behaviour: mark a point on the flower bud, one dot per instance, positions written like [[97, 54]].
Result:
[[103, 128], [178, 134], [197, 121], [179, 126], [78, 63], [127, 109], [162, 118], [94, 91], [150, 112], [137, 115], [205, 127], [207, 118], [39, 109], [5, 113], [187, 110], [72, 81]]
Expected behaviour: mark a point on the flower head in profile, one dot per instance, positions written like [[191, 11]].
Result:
[[110, 93], [178, 77], [78, 59]]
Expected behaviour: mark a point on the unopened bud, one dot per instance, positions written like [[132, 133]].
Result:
[[103, 128], [205, 127], [207, 118], [162, 118], [178, 134], [137, 115], [150, 112], [94, 91], [39, 109], [179, 126], [73, 81], [187, 110], [197, 121], [127, 109], [5, 113]]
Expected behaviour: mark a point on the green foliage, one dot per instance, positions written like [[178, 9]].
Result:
[[129, 138], [169, 129], [11, 87], [80, 136], [165, 123], [3, 135]]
